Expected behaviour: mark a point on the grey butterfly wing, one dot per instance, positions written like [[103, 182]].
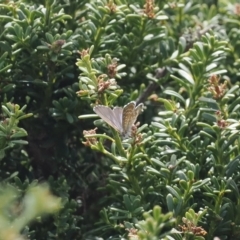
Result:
[[109, 116], [130, 114], [138, 110], [118, 112]]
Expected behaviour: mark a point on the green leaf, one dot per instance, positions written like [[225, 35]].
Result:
[[175, 94], [173, 192]]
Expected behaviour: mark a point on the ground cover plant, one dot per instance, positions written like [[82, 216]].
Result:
[[67, 174]]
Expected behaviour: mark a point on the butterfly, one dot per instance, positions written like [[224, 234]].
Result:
[[121, 119]]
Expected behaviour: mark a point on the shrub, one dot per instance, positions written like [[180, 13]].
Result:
[[176, 177]]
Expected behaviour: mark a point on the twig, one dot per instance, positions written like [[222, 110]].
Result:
[[160, 73]]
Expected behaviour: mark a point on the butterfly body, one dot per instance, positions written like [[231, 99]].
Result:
[[121, 119]]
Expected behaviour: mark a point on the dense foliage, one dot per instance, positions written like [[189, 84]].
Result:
[[177, 177]]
